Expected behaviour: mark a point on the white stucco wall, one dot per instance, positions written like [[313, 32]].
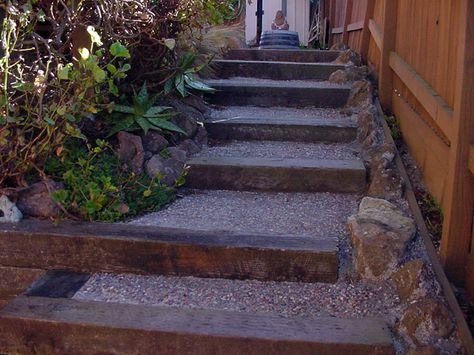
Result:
[[297, 17]]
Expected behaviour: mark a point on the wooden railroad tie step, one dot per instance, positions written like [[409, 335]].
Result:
[[276, 174], [275, 70], [281, 55], [259, 92], [121, 248], [55, 323], [288, 129]]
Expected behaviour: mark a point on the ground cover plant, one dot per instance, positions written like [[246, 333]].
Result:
[[75, 73]]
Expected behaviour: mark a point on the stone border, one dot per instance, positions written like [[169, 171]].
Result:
[[448, 293], [415, 281]]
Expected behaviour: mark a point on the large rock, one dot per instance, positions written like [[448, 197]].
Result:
[[187, 118], [169, 169], [349, 56], [367, 121], [425, 322], [351, 73], [197, 103], [380, 234], [9, 213], [387, 184], [201, 137], [375, 210], [189, 147], [154, 142], [413, 281], [36, 200], [131, 152], [360, 95], [377, 250]]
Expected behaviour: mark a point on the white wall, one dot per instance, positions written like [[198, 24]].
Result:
[[297, 17]]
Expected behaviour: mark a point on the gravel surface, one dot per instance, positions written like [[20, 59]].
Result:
[[286, 150], [284, 298], [305, 214], [256, 82], [277, 113]]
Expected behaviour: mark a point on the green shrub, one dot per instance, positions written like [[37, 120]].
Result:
[[98, 189], [142, 114]]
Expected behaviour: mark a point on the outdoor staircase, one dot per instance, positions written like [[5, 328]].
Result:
[[47, 319]]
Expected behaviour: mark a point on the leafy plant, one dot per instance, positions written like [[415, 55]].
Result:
[[97, 189], [44, 97], [142, 114], [185, 79]]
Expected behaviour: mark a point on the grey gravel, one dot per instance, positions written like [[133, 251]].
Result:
[[285, 150], [256, 82], [284, 298], [277, 113], [303, 214]]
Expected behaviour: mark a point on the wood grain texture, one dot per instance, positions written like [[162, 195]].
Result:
[[434, 104], [365, 40], [120, 248], [14, 281], [76, 327], [429, 151], [276, 174], [347, 20], [389, 32], [376, 33], [459, 207], [290, 129]]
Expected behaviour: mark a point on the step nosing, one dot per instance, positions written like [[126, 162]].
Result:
[[200, 322], [180, 236], [300, 122], [289, 163], [274, 63]]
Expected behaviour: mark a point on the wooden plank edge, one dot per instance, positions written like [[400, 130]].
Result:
[[71, 323], [337, 30], [453, 304], [432, 102], [356, 26], [306, 260], [376, 33]]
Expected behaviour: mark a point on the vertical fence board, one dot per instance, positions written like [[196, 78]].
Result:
[[458, 211], [365, 40], [390, 9]]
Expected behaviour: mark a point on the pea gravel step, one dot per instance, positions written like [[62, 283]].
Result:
[[315, 215], [285, 150], [277, 112]]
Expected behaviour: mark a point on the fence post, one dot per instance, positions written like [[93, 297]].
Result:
[[332, 19], [458, 208], [390, 11], [369, 13], [347, 21]]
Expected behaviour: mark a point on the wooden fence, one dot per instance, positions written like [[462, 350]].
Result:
[[422, 54]]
